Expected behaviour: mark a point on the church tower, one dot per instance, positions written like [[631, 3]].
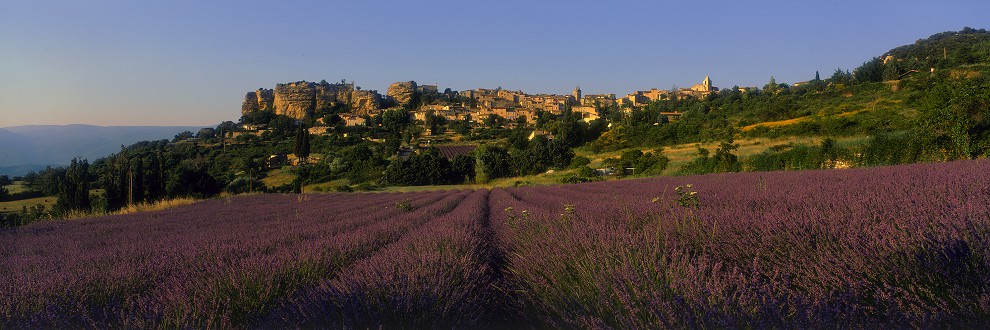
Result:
[[708, 84], [577, 94]]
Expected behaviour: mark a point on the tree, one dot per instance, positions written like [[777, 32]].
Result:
[[494, 121], [115, 178], [840, 77], [724, 160], [394, 120], [185, 135], [155, 179], [462, 169], [870, 71], [436, 123], [491, 162], [771, 87], [5, 180], [954, 122], [429, 167], [302, 147], [31, 179], [191, 178], [4, 193], [136, 185], [206, 133], [74, 192]]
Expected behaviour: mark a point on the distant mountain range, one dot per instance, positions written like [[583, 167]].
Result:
[[33, 147]]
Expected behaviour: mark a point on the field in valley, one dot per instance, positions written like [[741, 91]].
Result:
[[903, 246]]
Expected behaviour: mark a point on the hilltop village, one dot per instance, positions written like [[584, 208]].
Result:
[[325, 104]]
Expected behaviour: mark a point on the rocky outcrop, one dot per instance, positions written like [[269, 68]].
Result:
[[303, 99], [260, 100], [403, 92], [250, 104], [363, 102], [296, 100]]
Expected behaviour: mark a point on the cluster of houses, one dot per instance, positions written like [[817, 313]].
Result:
[[513, 105], [477, 105]]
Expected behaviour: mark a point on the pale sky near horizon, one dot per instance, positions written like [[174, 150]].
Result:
[[191, 62]]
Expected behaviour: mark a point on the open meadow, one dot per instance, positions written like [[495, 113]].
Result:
[[902, 246]]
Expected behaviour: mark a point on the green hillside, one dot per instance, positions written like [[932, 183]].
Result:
[[946, 50]]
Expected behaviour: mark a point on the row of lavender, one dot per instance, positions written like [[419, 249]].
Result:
[[901, 245], [445, 274], [219, 263]]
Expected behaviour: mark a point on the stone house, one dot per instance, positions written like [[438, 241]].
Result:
[[353, 120]]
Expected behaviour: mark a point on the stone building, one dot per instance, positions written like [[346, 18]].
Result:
[[699, 90], [598, 100]]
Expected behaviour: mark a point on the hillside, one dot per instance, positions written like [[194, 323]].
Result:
[[944, 50], [26, 148]]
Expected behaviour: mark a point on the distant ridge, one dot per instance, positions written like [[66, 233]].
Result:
[[32, 147]]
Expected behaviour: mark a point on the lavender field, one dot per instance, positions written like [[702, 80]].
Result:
[[893, 246]]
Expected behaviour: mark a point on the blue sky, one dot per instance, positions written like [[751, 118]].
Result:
[[191, 62]]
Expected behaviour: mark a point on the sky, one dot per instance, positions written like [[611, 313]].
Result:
[[161, 62]]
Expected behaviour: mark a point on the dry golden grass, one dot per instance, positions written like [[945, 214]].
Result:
[[777, 123], [16, 206], [278, 177], [156, 206], [842, 110]]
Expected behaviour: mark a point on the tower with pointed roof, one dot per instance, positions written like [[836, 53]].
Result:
[[708, 83]]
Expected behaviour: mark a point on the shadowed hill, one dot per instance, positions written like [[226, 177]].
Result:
[[23, 148]]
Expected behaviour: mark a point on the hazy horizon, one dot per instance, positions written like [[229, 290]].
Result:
[[119, 63]]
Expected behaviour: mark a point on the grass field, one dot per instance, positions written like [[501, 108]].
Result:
[[17, 187], [678, 154], [16, 206], [279, 177]]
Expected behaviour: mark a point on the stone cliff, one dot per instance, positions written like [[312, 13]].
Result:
[[403, 92], [260, 100], [303, 99], [296, 100]]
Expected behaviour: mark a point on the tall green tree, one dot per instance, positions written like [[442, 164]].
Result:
[[302, 144], [491, 162], [155, 179], [113, 179], [136, 181], [74, 192], [870, 71], [4, 194]]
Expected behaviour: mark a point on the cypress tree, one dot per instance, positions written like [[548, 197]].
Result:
[[301, 148], [137, 190], [73, 194]]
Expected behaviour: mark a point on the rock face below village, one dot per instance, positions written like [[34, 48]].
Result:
[[296, 100], [260, 100], [402, 92], [303, 99]]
